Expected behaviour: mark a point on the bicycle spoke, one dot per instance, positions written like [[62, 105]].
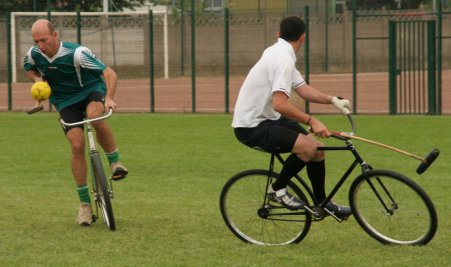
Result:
[[102, 192], [392, 208], [251, 220]]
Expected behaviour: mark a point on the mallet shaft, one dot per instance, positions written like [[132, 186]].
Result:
[[382, 145]]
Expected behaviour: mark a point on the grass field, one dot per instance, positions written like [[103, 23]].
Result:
[[167, 210]]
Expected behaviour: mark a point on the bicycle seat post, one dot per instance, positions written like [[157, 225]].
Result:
[[271, 163], [90, 137]]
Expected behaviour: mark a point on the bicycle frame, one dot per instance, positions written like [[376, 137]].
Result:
[[316, 208]]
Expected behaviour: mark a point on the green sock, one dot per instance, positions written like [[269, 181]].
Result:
[[83, 194], [113, 156]]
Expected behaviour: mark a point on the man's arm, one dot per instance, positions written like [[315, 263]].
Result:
[[34, 75], [281, 104], [110, 77], [312, 94]]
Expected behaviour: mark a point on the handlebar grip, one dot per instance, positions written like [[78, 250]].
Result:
[[339, 136], [346, 111]]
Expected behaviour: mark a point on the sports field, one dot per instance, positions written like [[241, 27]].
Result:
[[167, 210]]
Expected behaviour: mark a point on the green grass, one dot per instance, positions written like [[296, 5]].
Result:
[[167, 211]]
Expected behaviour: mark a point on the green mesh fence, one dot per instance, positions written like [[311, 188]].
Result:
[[121, 40]]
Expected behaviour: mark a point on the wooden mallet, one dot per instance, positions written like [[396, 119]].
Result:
[[425, 162], [38, 107]]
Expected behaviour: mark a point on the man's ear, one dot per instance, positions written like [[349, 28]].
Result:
[[302, 38], [278, 34]]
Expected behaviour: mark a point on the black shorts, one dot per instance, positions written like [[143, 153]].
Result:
[[271, 136], [77, 111]]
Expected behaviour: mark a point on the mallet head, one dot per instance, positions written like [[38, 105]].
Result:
[[35, 109], [428, 160]]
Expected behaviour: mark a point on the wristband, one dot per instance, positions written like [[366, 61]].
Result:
[[308, 121]]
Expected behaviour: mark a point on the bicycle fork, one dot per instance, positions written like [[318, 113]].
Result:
[[93, 150]]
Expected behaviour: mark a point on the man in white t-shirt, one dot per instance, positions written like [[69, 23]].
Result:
[[265, 119]]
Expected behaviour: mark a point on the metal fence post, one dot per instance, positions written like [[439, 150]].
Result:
[[439, 57], [193, 56], [354, 56], [49, 10], [226, 57], [392, 69], [151, 63], [78, 27], [49, 18], [182, 37], [9, 59], [307, 52], [432, 89], [326, 37]]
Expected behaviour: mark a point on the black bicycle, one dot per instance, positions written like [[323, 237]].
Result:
[[102, 190], [389, 206]]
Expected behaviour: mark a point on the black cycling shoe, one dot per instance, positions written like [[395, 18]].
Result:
[[340, 212]]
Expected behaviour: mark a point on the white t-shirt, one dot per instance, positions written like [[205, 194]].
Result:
[[275, 71]]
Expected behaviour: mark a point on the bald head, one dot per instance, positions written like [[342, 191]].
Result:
[[45, 37], [42, 25]]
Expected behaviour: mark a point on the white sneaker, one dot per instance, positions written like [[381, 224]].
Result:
[[283, 197], [118, 170], [84, 216]]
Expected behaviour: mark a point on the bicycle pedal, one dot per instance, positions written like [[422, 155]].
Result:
[[335, 216], [117, 177]]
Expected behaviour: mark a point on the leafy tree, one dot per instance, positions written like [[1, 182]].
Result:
[[66, 5], [176, 5], [388, 4]]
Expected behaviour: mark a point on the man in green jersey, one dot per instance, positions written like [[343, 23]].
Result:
[[82, 86]]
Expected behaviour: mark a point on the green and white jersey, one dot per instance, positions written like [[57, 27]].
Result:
[[73, 73]]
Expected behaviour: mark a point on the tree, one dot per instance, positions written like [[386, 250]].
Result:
[[66, 5], [387, 4]]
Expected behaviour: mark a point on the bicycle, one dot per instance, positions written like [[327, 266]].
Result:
[[389, 206], [102, 190]]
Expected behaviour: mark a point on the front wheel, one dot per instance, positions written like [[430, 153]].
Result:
[[392, 208], [102, 192], [253, 218]]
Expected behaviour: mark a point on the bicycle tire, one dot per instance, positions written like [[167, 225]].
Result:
[[409, 216], [101, 191], [253, 221]]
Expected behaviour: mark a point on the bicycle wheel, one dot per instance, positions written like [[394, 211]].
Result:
[[101, 192], [253, 219], [392, 208]]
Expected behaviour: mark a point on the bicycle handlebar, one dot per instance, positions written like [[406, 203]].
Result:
[[345, 137], [70, 124]]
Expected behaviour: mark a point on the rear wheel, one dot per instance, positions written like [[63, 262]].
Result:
[[102, 192], [392, 208], [254, 219]]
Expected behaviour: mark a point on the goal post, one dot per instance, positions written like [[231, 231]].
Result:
[[100, 36]]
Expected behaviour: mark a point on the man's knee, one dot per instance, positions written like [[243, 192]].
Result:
[[307, 149], [95, 109], [78, 147]]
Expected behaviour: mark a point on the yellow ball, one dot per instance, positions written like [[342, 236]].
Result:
[[40, 91]]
